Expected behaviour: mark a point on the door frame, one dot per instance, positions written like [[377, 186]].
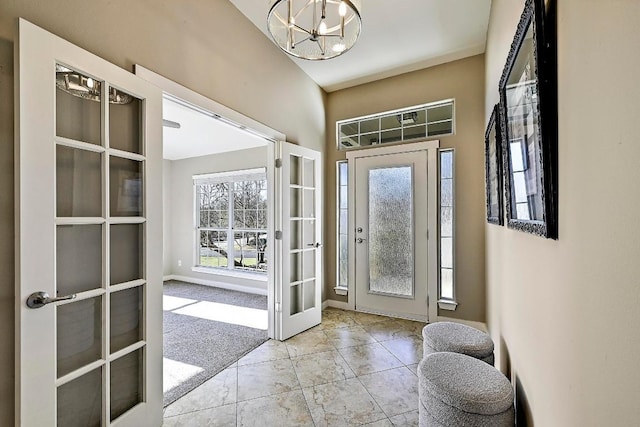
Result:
[[233, 117], [431, 147]]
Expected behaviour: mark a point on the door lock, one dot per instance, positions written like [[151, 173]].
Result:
[[359, 230]]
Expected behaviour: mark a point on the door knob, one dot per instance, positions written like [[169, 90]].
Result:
[[40, 299], [315, 245], [360, 240]]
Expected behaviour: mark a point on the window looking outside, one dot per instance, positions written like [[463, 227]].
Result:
[[446, 225], [231, 220], [343, 232], [421, 121]]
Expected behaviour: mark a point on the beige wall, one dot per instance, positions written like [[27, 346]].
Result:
[[189, 42], [566, 312], [180, 221], [464, 81]]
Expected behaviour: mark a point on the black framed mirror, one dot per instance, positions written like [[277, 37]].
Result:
[[493, 169], [528, 122]]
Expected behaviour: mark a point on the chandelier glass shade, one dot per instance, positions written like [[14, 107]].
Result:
[[77, 84], [315, 29]]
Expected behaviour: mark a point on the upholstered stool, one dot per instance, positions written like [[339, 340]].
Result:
[[458, 390], [457, 338]]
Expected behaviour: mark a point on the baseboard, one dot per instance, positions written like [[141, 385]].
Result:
[[215, 284], [478, 325], [335, 304]]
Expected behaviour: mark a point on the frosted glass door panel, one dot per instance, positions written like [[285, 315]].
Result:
[[79, 258], [80, 401], [126, 383], [391, 231], [125, 189], [78, 109], [124, 122], [78, 182], [126, 252], [126, 318], [79, 340]]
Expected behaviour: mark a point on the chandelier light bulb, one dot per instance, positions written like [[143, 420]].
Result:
[[90, 83], [322, 29], [342, 9]]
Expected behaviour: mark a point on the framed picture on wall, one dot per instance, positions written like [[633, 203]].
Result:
[[493, 170], [528, 123]]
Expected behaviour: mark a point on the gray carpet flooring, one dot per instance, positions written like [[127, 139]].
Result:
[[203, 347]]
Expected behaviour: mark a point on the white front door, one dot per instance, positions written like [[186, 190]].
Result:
[[89, 242], [391, 234], [299, 237]]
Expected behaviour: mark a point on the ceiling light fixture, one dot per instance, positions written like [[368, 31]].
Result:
[[315, 29], [77, 84]]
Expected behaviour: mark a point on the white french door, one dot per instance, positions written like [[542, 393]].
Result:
[[299, 237], [89, 243], [393, 211]]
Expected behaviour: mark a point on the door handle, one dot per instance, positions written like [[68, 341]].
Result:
[[360, 240], [40, 299], [315, 245]]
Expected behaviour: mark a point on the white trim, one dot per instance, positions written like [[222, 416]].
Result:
[[254, 174], [394, 149], [229, 286], [240, 274], [447, 304], [341, 290], [478, 325], [418, 318], [336, 304], [186, 94]]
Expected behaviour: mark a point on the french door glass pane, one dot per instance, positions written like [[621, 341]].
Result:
[[126, 253], [126, 382], [296, 299], [124, 122], [78, 182], [391, 231], [125, 318], [80, 401], [78, 109], [125, 187], [79, 329], [309, 294], [78, 258]]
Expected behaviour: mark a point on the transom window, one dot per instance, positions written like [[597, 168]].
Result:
[[231, 220], [436, 118]]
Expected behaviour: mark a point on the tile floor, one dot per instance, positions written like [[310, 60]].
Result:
[[353, 369]]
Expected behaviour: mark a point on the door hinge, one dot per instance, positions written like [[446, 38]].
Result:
[[278, 163], [278, 235], [278, 307]]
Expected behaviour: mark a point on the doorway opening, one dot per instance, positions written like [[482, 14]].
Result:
[[215, 210]]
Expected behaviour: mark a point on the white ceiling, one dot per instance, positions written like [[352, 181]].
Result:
[[397, 36], [201, 134]]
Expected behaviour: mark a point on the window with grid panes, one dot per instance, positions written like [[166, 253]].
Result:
[[231, 220]]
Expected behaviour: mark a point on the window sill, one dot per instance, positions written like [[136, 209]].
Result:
[[341, 290], [258, 277], [447, 304]]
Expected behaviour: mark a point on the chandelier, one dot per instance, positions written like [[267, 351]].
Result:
[[315, 29], [77, 84]]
